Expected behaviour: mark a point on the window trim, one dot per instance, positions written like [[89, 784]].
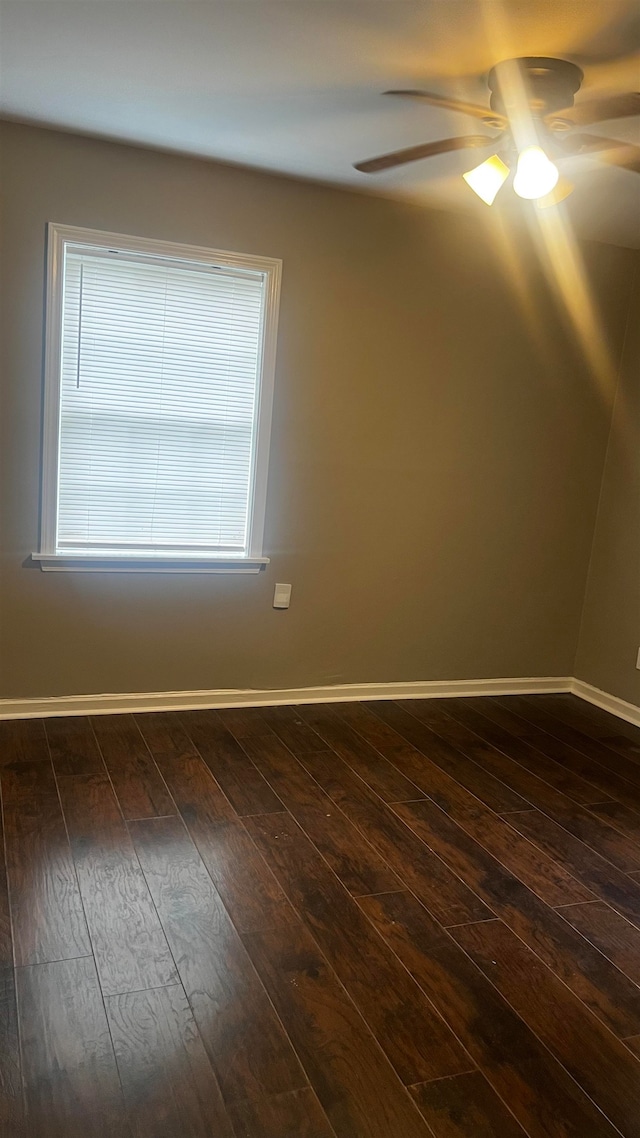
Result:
[[49, 557]]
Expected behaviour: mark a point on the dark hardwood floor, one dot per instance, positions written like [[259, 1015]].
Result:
[[381, 920]]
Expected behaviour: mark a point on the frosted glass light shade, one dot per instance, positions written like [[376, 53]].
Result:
[[561, 190], [487, 178]]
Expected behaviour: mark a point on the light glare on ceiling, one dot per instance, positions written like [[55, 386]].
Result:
[[487, 178], [560, 191], [535, 175]]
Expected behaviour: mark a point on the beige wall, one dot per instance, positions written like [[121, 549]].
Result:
[[610, 630], [436, 455]]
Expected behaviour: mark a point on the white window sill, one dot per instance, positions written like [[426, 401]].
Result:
[[116, 563]]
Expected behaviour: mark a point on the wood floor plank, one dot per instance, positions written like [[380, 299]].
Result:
[[465, 1106], [243, 785], [417, 1042], [622, 817], [46, 909], [356, 1085], [446, 896], [608, 724], [247, 887], [73, 745], [546, 877], [604, 880], [248, 1048], [525, 741], [614, 936], [190, 782], [599, 715], [91, 810], [11, 1114], [138, 784], [71, 1080], [297, 1114], [542, 1096], [590, 975], [625, 766], [382, 776], [128, 943], [243, 722], [598, 1061], [572, 750], [542, 874], [615, 733], [249, 890], [350, 856], [633, 1043], [560, 742], [22, 740], [488, 789], [604, 767], [502, 751], [290, 727], [165, 735], [6, 939], [168, 1082]]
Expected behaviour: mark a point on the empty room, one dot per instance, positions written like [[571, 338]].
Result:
[[320, 569]]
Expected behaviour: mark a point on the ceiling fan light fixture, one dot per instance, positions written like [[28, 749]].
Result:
[[536, 175], [487, 178]]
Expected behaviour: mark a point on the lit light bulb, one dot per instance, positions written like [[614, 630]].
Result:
[[487, 178], [535, 175]]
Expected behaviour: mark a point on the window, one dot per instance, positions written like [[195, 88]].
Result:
[[158, 390]]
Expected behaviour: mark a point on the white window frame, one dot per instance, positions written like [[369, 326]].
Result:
[[59, 237]]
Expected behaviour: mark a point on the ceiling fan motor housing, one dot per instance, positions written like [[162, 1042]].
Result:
[[549, 84]]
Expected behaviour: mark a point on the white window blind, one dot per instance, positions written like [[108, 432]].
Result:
[[159, 389], [157, 392], [158, 381]]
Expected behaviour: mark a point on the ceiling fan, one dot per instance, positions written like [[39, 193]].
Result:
[[532, 109]]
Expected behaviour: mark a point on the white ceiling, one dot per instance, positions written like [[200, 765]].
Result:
[[295, 85]]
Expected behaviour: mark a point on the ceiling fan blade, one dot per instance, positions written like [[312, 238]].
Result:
[[611, 150], [582, 143], [473, 109], [624, 155], [601, 110], [426, 150]]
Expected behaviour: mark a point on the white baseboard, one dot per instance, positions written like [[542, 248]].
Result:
[[114, 704], [607, 702], [193, 700]]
